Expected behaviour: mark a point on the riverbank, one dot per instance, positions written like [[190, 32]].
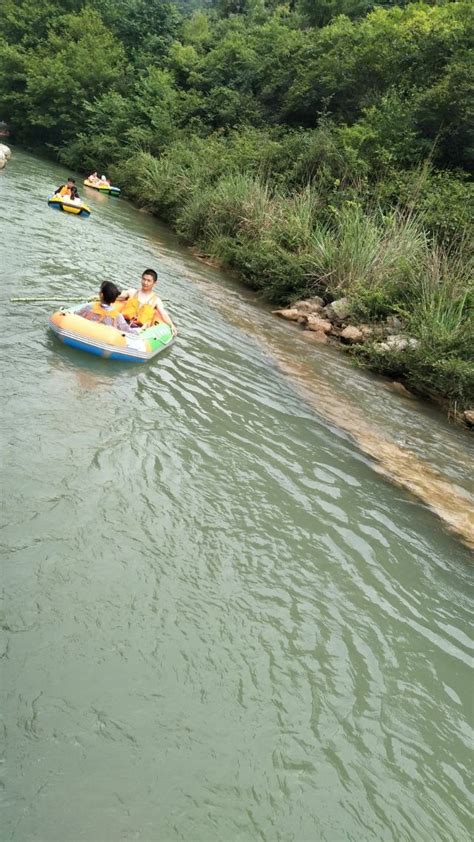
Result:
[[381, 346], [378, 346], [406, 298]]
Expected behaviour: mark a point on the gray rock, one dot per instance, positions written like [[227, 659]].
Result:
[[338, 311], [352, 335], [468, 416], [309, 305], [319, 325], [398, 387], [399, 342], [290, 313], [394, 325]]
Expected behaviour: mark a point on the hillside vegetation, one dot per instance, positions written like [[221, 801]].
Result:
[[318, 147]]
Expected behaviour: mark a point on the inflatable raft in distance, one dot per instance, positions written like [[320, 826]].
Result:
[[59, 203], [103, 188], [106, 341]]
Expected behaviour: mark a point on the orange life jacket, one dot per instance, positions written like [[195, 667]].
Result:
[[65, 190], [99, 313], [145, 314]]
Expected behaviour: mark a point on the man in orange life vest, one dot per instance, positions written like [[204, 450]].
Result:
[[67, 191], [142, 306]]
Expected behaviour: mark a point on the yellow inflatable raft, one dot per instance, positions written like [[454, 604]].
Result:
[[106, 341], [103, 188], [77, 209]]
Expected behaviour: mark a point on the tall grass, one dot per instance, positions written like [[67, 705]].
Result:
[[368, 256], [442, 299], [165, 185], [438, 311]]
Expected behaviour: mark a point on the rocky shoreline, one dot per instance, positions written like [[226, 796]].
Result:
[[333, 324]]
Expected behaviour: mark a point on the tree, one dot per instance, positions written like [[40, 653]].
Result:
[[146, 28], [79, 61]]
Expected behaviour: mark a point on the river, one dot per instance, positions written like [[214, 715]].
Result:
[[220, 623]]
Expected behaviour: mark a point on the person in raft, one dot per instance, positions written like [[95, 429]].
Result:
[[104, 311], [68, 191], [142, 306]]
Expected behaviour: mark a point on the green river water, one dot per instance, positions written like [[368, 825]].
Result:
[[220, 623]]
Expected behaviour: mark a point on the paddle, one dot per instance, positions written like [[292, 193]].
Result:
[[50, 300]]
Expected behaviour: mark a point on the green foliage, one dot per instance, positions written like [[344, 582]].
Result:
[[321, 12], [79, 60], [27, 22], [451, 378], [438, 312], [105, 131], [444, 201], [196, 30], [146, 28]]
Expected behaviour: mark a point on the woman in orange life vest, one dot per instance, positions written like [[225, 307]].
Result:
[[68, 190], [142, 306], [104, 311]]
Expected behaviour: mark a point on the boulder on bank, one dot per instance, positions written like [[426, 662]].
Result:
[[309, 305], [356, 334], [399, 342], [6, 151], [468, 416], [338, 310], [317, 336], [394, 325], [290, 313], [317, 324], [352, 335]]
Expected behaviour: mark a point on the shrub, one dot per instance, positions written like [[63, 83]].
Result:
[[443, 201]]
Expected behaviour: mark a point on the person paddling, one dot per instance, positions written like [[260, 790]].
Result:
[[142, 306], [68, 190]]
